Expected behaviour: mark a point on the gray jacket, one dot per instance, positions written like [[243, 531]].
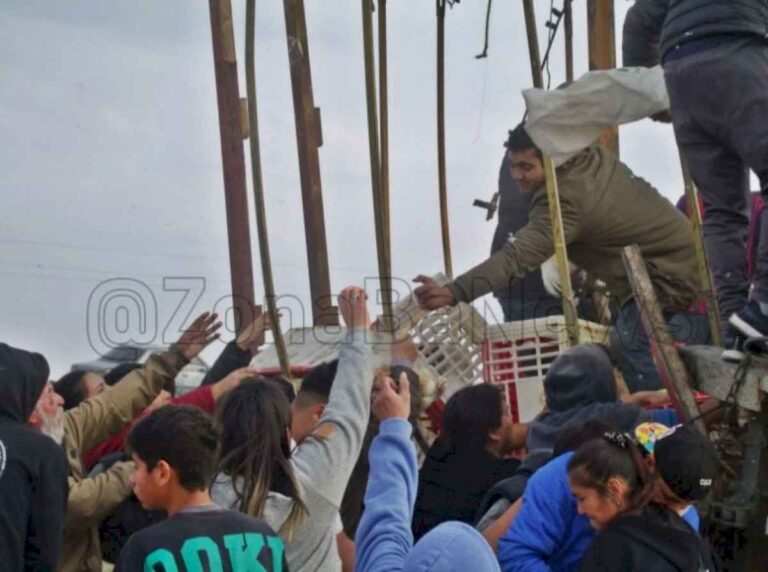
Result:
[[653, 27], [324, 461]]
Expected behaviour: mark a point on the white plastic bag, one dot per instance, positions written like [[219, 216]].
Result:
[[563, 122]]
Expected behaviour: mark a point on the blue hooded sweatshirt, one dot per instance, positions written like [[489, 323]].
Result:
[[384, 541], [549, 533]]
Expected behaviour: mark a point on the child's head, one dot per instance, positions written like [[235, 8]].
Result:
[[255, 422], [175, 449], [687, 463]]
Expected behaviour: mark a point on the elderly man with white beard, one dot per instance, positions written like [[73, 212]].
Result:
[[33, 469], [97, 419]]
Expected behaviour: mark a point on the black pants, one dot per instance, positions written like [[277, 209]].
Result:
[[719, 104]]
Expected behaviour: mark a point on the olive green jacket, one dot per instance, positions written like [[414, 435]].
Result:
[[605, 207], [89, 424]]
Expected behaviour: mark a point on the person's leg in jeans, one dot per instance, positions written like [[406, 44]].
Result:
[[723, 94], [719, 174], [633, 349], [748, 120]]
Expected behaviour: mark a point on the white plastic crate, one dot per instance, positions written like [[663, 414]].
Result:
[[517, 356], [449, 342]]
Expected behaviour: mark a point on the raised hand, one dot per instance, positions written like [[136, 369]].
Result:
[[391, 401], [201, 333], [353, 306], [254, 332]]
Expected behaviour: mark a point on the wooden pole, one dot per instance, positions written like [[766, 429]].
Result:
[[705, 276], [568, 16], [670, 365], [379, 210], [602, 52], [384, 119], [309, 139], [233, 163], [441, 162], [258, 187], [553, 197]]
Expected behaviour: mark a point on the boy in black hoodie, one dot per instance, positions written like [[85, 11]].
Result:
[[175, 450], [33, 469]]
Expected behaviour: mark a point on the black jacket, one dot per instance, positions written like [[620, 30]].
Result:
[[659, 540], [33, 470], [230, 359], [653, 27], [453, 484]]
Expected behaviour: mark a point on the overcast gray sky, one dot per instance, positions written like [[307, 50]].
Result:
[[111, 164]]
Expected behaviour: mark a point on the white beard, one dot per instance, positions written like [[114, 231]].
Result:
[[53, 426]]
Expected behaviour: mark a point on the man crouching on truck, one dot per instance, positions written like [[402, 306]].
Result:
[[605, 207]]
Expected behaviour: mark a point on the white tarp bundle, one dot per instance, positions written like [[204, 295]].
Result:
[[563, 122]]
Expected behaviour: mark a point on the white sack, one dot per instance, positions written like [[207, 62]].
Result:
[[563, 122]]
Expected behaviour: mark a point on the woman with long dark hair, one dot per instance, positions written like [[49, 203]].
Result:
[[258, 407], [299, 492], [616, 489]]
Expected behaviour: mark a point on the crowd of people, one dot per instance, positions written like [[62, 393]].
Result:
[[245, 473], [343, 470]]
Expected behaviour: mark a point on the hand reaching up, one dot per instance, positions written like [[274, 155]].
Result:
[[353, 305], [254, 332], [199, 334], [390, 401]]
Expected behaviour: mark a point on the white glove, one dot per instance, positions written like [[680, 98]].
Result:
[[550, 275]]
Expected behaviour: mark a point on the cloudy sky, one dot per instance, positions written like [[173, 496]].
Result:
[[111, 165]]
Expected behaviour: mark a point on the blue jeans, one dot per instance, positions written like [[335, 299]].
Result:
[[633, 349]]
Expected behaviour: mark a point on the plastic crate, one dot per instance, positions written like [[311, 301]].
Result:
[[449, 340], [517, 356], [449, 343]]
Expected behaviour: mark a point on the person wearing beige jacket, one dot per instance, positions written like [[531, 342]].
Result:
[[97, 419]]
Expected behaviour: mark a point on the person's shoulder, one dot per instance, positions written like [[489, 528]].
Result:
[[247, 522], [27, 440], [556, 466]]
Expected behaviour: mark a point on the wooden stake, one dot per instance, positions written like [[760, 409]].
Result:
[[671, 367], [602, 52], [705, 276], [553, 197], [233, 163], [309, 139], [441, 163], [379, 210], [258, 188], [568, 17]]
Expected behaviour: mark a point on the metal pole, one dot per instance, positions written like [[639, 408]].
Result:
[[602, 52], [309, 139], [553, 198], [441, 167], [233, 162], [705, 275], [258, 187], [379, 210], [568, 15]]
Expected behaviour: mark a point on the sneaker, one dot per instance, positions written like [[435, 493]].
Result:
[[733, 342], [750, 321]]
